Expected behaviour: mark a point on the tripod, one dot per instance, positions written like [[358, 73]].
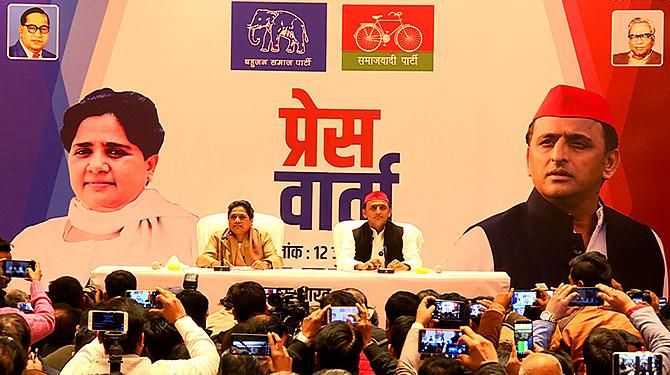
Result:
[[115, 352]]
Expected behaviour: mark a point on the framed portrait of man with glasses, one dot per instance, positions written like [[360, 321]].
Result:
[[637, 38], [32, 31]]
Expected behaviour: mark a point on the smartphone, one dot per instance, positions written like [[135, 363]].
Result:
[[342, 314], [523, 337], [26, 307], [477, 309], [108, 321], [17, 268], [587, 297], [190, 281], [448, 310], [646, 363], [249, 344], [441, 341], [523, 298], [146, 298]]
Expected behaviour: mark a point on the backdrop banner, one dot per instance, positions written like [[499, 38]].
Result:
[[303, 107]]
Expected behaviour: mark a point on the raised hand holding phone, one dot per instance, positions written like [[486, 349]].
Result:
[[172, 309], [424, 314]]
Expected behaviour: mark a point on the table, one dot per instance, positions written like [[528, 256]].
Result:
[[377, 287]]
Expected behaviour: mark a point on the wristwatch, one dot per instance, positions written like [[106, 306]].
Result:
[[547, 316], [302, 338]]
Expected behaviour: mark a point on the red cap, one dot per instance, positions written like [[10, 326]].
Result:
[[570, 101], [376, 196]]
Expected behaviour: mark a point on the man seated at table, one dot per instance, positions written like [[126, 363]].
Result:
[[379, 242], [240, 244]]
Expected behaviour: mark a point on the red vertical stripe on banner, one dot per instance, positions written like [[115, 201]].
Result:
[[639, 99]]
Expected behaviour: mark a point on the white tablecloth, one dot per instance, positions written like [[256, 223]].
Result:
[[377, 287]]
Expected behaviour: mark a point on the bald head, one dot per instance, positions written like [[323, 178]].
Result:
[[540, 364]]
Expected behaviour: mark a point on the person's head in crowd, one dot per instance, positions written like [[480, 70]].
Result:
[[338, 345], [641, 37], [540, 364], [360, 297], [238, 365], [398, 334], [589, 269], [14, 297], [66, 289], [67, 320], [338, 298], [5, 254], [133, 341], [196, 305], [400, 303], [161, 338], [112, 139], [567, 366], [377, 209], [5, 249], [633, 342], [118, 282], [247, 299], [83, 335], [16, 327], [427, 292], [572, 147], [34, 29], [13, 357], [263, 323], [599, 348], [438, 365]]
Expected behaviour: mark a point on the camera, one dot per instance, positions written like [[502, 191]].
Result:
[[291, 306], [108, 321], [17, 268], [342, 314], [249, 344], [26, 307], [637, 363], [441, 341], [587, 297], [450, 313], [522, 299], [146, 298], [113, 326], [190, 281], [523, 337], [638, 295]]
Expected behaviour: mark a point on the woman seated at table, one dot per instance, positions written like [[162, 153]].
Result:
[[112, 141], [240, 244]]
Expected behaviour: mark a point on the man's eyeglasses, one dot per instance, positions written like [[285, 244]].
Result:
[[645, 36], [33, 28]]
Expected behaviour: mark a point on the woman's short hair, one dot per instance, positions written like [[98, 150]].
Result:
[[244, 204], [135, 112]]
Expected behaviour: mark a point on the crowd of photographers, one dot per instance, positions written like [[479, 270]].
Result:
[[253, 333]]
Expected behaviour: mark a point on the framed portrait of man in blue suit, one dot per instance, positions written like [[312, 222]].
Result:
[[32, 32]]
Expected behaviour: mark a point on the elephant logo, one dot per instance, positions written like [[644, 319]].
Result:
[[278, 25]]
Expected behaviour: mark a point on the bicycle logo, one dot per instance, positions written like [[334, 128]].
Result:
[[370, 36]]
